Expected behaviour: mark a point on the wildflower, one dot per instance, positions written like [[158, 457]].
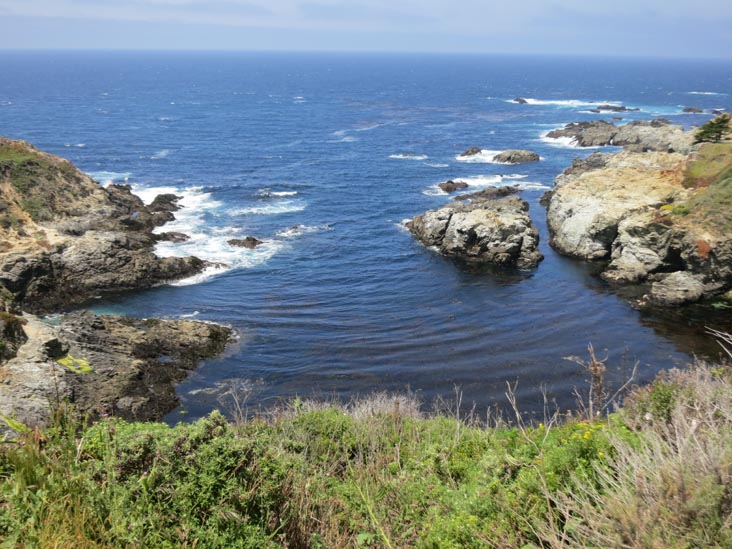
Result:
[[601, 454]]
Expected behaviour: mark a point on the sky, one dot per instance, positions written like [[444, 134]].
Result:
[[643, 28]]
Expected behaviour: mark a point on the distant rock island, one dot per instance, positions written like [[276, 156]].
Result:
[[65, 239]]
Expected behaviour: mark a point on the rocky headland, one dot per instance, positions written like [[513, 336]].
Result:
[[484, 228], [639, 136], [65, 239], [659, 220]]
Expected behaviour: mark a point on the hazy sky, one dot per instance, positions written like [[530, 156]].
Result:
[[674, 28]]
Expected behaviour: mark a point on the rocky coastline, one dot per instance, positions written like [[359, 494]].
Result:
[[656, 216], [65, 239]]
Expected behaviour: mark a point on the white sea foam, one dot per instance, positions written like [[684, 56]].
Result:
[[107, 178], [346, 139], [160, 154], [299, 230], [570, 103], [484, 181], [565, 142], [208, 243], [483, 157], [401, 156], [271, 208], [191, 315], [165, 119], [436, 165], [705, 93]]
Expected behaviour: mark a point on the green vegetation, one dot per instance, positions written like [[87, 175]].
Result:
[[710, 173], [375, 473], [715, 130]]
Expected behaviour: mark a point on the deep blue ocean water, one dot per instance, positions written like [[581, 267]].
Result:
[[323, 157]]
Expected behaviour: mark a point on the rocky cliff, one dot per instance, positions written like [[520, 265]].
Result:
[[64, 238], [658, 219]]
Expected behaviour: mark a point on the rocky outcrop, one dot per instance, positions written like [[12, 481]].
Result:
[[126, 367], [693, 110], [625, 209], [489, 231], [613, 108], [472, 151], [66, 239], [516, 156], [639, 136], [520, 101], [587, 205], [451, 186], [248, 242]]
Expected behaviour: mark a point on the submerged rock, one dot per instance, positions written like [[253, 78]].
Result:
[[520, 101], [498, 232]]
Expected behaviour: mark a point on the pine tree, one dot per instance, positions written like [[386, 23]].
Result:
[[714, 130]]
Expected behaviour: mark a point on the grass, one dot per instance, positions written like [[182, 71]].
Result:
[[378, 473]]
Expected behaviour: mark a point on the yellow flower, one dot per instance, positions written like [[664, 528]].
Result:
[[601, 454]]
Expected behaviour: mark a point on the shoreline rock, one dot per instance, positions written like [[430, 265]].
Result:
[[126, 367], [640, 136], [486, 231], [619, 208]]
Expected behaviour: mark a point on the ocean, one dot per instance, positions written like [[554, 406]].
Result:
[[323, 157]]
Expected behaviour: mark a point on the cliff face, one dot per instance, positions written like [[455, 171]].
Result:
[[64, 238], [659, 219]]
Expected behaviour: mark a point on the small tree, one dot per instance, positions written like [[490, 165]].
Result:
[[714, 130]]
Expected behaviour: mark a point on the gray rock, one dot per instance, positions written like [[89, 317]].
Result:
[[677, 288], [497, 232], [472, 151], [520, 101], [248, 242], [451, 186], [516, 156], [694, 110]]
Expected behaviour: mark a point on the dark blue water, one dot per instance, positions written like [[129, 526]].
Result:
[[323, 157]]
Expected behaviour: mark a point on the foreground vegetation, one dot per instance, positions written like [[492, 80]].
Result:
[[377, 473]]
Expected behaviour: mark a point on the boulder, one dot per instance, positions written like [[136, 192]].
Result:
[[472, 151], [520, 101], [167, 202], [693, 110], [491, 193], [172, 236], [497, 232], [451, 186], [248, 242], [516, 156]]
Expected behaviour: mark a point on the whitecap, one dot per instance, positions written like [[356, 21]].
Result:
[[402, 156], [346, 139], [165, 119], [299, 230], [565, 142], [160, 154], [271, 208], [705, 93], [571, 103], [191, 315], [80, 145], [5, 103], [106, 178], [436, 165]]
